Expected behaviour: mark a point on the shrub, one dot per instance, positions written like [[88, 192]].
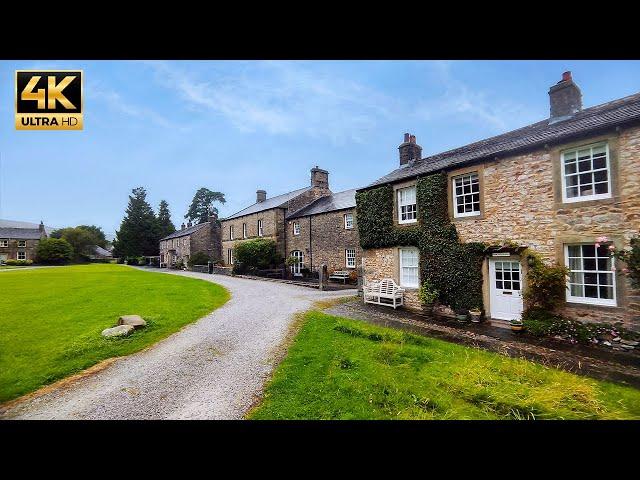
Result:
[[198, 258], [142, 261], [54, 251], [546, 285], [427, 293], [20, 263], [257, 254]]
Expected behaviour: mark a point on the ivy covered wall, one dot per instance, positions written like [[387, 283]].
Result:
[[454, 268]]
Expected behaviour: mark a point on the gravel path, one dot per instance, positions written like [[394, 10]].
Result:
[[212, 369]]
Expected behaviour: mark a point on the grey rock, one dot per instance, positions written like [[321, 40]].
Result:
[[119, 331], [629, 342], [617, 339], [608, 344], [136, 321], [627, 347]]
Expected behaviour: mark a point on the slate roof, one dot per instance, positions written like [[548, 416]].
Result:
[[268, 204], [186, 231], [329, 203], [20, 233], [588, 121], [23, 225], [98, 250]]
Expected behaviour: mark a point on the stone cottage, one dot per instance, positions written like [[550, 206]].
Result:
[[558, 186], [312, 224], [19, 240], [190, 239], [325, 232]]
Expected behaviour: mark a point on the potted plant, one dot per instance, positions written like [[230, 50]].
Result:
[[461, 315], [427, 296], [475, 314], [516, 325]]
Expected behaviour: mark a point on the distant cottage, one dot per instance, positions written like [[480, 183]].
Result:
[[190, 239], [19, 240]]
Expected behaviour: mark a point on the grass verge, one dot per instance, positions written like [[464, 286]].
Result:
[[337, 368], [51, 318]]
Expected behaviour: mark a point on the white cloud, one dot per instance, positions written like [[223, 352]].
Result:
[[281, 98]]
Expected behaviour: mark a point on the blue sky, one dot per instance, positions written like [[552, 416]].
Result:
[[237, 126]]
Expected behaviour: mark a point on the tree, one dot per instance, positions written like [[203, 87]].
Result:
[[81, 239], [165, 225], [98, 234], [139, 233], [202, 205], [54, 251]]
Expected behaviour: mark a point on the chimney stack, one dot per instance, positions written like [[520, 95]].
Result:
[[41, 227], [189, 224], [261, 196], [565, 98], [409, 149], [319, 178], [182, 226], [213, 216]]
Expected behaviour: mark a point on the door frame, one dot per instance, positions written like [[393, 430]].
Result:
[[295, 269], [492, 279]]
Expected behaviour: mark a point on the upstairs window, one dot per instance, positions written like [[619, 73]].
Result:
[[22, 243], [591, 278], [230, 232], [4, 243], [260, 231], [407, 207], [586, 173], [296, 228], [466, 195], [348, 221], [409, 260], [244, 230]]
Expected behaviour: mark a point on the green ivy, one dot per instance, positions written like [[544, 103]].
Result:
[[452, 267]]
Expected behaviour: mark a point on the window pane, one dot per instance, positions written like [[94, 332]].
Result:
[[572, 192], [570, 156], [575, 277], [589, 264], [588, 250], [577, 290], [605, 278], [602, 188], [575, 263], [570, 168], [590, 291], [516, 285], [606, 292], [600, 176], [590, 278], [499, 284], [584, 166], [498, 275], [599, 163]]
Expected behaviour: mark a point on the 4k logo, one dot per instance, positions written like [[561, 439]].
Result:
[[49, 100]]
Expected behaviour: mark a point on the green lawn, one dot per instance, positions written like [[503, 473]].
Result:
[[51, 318], [338, 368]]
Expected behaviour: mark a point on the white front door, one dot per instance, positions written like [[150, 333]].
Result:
[[506, 288], [295, 269]]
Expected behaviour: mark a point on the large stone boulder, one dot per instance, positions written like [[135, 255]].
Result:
[[136, 321], [119, 331]]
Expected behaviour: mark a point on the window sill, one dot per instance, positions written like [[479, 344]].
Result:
[[577, 302]]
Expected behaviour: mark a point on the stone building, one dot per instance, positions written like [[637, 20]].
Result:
[[325, 232], [267, 217], [19, 240], [190, 239], [557, 186]]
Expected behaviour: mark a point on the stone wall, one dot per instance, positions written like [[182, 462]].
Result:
[[206, 239], [521, 201], [329, 240], [272, 227], [11, 251]]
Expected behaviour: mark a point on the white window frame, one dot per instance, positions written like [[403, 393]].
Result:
[[296, 228], [230, 256], [230, 232], [400, 205], [402, 283], [4, 243], [244, 230], [348, 257], [19, 252], [22, 243], [260, 228], [594, 196], [588, 300], [348, 221], [454, 196]]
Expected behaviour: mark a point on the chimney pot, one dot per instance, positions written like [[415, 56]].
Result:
[[182, 226], [566, 76], [406, 137], [261, 196], [189, 224], [41, 226]]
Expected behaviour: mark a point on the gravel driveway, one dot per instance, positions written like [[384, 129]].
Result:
[[214, 368]]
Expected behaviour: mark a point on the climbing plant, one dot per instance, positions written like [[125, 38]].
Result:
[[452, 267]]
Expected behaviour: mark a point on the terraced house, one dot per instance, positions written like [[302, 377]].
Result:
[[557, 186], [190, 239], [311, 224], [19, 240]]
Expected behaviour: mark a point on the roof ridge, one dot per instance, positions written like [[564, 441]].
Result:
[[271, 199]]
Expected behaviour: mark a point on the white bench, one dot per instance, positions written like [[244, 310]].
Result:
[[387, 290], [340, 275]]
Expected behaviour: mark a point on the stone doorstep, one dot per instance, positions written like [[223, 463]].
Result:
[[606, 364]]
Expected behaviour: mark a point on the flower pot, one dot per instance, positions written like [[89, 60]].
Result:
[[475, 317], [462, 318], [516, 326]]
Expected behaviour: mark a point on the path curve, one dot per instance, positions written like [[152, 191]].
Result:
[[212, 369]]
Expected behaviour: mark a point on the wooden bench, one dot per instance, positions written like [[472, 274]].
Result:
[[343, 275], [385, 292]]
